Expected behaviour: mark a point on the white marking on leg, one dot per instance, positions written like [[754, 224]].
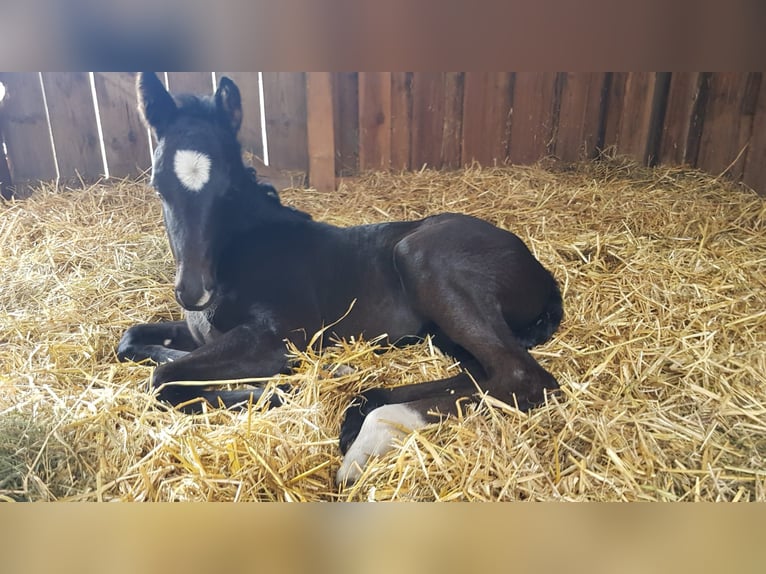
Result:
[[379, 431], [192, 168]]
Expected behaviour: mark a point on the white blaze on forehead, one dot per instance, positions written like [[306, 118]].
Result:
[[192, 168]]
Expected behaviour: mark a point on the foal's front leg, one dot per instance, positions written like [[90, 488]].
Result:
[[247, 351], [157, 342]]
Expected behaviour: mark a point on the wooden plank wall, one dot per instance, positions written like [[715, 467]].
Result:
[[24, 122], [330, 125]]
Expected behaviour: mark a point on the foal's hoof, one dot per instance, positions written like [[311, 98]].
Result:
[[126, 347], [535, 397]]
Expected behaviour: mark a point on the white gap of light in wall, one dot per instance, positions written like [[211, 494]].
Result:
[[2, 97], [264, 139], [50, 129], [97, 111]]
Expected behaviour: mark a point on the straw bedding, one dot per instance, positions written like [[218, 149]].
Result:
[[661, 355]]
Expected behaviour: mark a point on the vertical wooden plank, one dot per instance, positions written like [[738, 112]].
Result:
[[25, 128], [200, 83], [677, 131], [593, 130], [250, 135], [487, 99], [697, 120], [374, 120], [401, 119], [755, 163], [532, 116], [437, 119], [346, 118], [727, 126], [284, 95], [452, 138], [321, 136], [657, 116], [615, 101], [635, 107], [636, 125], [126, 140], [73, 124], [427, 119], [579, 115]]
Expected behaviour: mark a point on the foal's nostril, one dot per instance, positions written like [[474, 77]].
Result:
[[194, 299]]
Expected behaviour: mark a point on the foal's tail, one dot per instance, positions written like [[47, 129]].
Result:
[[546, 324]]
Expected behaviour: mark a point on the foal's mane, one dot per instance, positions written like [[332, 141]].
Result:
[[259, 202]]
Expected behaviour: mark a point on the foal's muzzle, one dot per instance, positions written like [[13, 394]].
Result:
[[194, 299]]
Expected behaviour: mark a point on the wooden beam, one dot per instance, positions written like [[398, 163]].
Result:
[[320, 131]]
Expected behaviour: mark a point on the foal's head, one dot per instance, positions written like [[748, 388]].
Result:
[[195, 162]]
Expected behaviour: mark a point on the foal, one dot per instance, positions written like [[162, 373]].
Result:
[[252, 274]]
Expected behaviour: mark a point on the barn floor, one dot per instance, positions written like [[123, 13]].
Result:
[[661, 355]]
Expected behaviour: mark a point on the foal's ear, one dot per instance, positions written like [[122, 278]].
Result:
[[229, 103], [156, 105]]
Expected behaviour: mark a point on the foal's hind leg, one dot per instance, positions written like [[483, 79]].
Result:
[[450, 389], [468, 300], [387, 424], [464, 299], [510, 373]]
